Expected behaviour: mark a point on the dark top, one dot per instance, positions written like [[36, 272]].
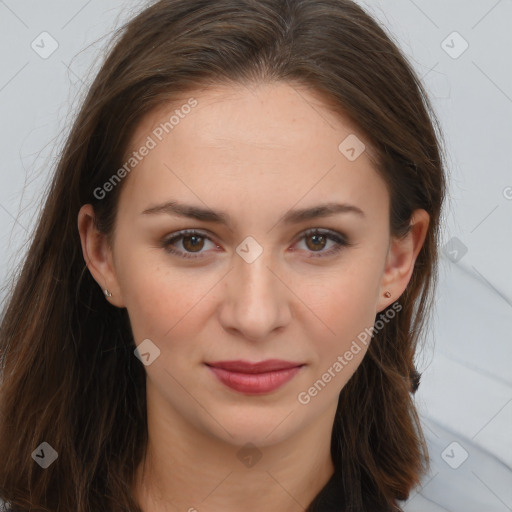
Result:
[[332, 499]]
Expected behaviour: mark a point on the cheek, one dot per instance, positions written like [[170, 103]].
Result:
[[156, 299], [345, 301], [167, 306], [342, 312]]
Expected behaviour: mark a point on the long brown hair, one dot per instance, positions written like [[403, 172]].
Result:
[[69, 375]]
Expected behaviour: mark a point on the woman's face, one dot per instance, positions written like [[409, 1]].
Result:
[[254, 168]]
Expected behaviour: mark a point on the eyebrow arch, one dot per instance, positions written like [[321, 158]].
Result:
[[176, 208]]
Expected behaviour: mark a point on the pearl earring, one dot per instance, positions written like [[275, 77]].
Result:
[[107, 293]]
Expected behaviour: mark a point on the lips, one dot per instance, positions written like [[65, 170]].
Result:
[[269, 365], [254, 378]]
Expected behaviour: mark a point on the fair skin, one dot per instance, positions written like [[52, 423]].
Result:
[[254, 153]]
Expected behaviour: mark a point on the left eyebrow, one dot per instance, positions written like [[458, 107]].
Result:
[[176, 208], [323, 210]]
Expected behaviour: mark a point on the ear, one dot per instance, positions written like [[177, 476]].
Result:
[[401, 257], [98, 255]]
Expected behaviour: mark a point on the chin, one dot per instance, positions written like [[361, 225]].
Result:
[[258, 425]]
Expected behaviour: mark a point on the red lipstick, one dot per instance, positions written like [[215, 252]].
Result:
[[254, 378]]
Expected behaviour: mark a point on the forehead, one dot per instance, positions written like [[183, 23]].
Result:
[[266, 115], [260, 143]]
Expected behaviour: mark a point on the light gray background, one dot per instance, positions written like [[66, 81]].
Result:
[[466, 392]]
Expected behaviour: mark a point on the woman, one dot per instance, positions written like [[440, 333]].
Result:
[[222, 300]]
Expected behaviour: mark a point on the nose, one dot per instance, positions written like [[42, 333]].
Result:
[[256, 300]]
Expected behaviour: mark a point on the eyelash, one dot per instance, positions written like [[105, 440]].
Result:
[[339, 239]]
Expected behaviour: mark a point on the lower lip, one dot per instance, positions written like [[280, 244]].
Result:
[[255, 383]]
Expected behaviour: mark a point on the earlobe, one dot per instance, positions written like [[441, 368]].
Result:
[[401, 258], [98, 256]]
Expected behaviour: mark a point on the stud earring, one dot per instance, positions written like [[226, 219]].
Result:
[[387, 294], [107, 293]]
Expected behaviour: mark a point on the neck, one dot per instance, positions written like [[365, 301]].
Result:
[[188, 469]]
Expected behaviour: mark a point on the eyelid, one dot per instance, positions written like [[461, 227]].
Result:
[[340, 240], [168, 241]]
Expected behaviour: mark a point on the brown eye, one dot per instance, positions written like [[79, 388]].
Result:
[[318, 242], [193, 243]]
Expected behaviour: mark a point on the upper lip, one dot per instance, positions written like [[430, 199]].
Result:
[[268, 365]]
